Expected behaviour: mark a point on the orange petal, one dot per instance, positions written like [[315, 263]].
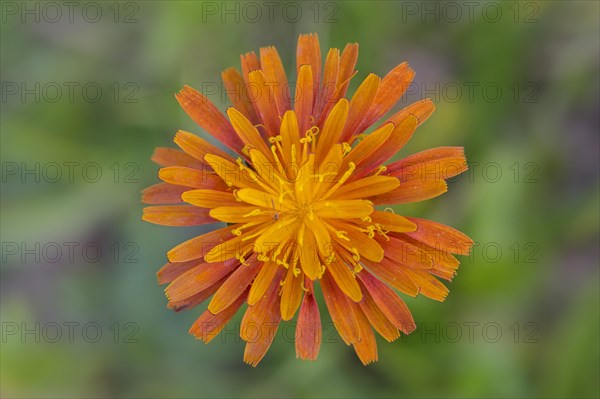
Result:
[[198, 279], [376, 317], [234, 286], [392, 222], [197, 147], [248, 133], [389, 303], [309, 258], [338, 305], [421, 109], [229, 172], [303, 99], [189, 177], [343, 209], [433, 164], [206, 114], [199, 246], [236, 88], [163, 193], [209, 198], [275, 74], [308, 328], [332, 129], [239, 214], [441, 237], [345, 280], [262, 281], [413, 191], [171, 271], [177, 215], [360, 104], [393, 274], [308, 52], [392, 88], [397, 139], [363, 151], [209, 325], [366, 187], [366, 347], [260, 323], [171, 157], [291, 293]]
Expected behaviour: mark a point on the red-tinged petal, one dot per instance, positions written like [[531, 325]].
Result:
[[338, 304], [209, 325], [308, 328], [163, 193], [262, 281], [209, 198], [197, 147], [421, 109], [325, 100], [397, 139], [199, 246], [360, 104], [346, 71], [442, 261], [262, 97], [236, 88], [234, 286], [196, 299], [428, 285], [172, 157], [250, 63], [434, 164], [177, 215], [198, 279], [291, 293], [393, 274], [389, 303], [366, 347], [405, 253], [441, 237], [303, 99], [189, 177], [275, 73], [309, 53], [376, 317], [345, 280], [413, 191], [260, 323], [392, 88], [206, 114], [170, 271]]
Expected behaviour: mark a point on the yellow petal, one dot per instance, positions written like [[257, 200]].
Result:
[[343, 209]]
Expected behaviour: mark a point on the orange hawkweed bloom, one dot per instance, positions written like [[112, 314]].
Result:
[[298, 203]]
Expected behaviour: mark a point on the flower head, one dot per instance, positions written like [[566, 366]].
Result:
[[297, 204]]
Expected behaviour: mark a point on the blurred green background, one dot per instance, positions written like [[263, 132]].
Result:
[[87, 93]]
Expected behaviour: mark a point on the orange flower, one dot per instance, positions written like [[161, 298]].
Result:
[[298, 200]]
